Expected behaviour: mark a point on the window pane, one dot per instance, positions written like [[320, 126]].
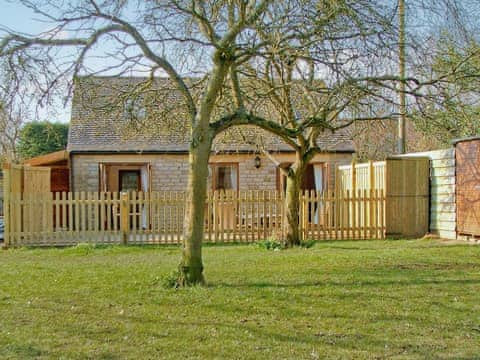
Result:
[[129, 180], [226, 177]]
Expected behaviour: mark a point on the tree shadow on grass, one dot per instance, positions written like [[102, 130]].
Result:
[[22, 351], [307, 336], [386, 244], [352, 283]]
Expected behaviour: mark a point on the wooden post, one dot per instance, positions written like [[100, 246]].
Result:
[[124, 214], [352, 213], [373, 199], [371, 173], [304, 203], [353, 174], [6, 205]]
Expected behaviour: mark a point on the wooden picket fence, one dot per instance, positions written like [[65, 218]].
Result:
[[343, 215], [58, 219]]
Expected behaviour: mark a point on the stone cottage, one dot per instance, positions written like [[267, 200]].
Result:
[[117, 143]]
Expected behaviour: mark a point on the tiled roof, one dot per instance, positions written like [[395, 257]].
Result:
[[101, 121]]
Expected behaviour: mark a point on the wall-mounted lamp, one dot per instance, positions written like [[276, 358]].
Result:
[[258, 162]]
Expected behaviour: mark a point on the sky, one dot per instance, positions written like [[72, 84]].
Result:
[[13, 15], [17, 17]]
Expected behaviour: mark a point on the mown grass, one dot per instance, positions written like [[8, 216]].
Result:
[[365, 299]]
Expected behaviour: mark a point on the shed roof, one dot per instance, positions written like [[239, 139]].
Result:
[[470, 138], [100, 122], [48, 159]]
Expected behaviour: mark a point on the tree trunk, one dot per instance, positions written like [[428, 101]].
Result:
[[292, 201], [191, 266]]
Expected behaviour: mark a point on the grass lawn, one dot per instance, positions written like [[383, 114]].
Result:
[[363, 299]]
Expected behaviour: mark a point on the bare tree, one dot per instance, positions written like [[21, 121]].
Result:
[[339, 70], [205, 39], [439, 41], [14, 109], [340, 64], [222, 43], [10, 124]]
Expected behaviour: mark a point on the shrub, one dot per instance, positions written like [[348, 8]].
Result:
[[170, 280], [307, 244], [84, 248], [270, 244]]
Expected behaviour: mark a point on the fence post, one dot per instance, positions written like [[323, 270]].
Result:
[[352, 212], [371, 174], [6, 205], [124, 215], [303, 219], [373, 199]]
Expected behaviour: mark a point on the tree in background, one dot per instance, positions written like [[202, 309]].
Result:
[[442, 44], [41, 137], [10, 123], [13, 110], [452, 110]]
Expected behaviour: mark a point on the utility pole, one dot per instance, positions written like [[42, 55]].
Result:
[[401, 142]]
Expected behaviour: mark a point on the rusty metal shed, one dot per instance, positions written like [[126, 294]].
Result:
[[467, 158]]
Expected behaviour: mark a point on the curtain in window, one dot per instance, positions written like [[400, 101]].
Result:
[[233, 178], [318, 175], [226, 177], [102, 168], [145, 177]]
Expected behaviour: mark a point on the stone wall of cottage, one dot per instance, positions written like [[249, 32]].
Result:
[[170, 172]]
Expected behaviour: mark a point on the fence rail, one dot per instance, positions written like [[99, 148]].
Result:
[[36, 219]]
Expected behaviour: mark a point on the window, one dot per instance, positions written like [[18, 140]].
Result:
[[129, 180], [134, 109], [224, 176], [314, 178], [114, 176]]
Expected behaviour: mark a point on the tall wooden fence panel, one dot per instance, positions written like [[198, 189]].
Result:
[[36, 179], [38, 219], [359, 177], [407, 197]]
